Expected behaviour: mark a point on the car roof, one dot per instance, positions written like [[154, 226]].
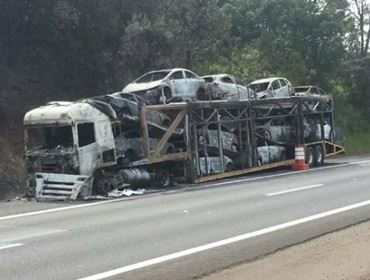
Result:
[[267, 80], [170, 70], [216, 76], [308, 86]]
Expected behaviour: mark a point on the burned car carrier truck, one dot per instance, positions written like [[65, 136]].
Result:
[[75, 150]]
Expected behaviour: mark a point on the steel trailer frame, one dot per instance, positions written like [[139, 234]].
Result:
[[243, 116]]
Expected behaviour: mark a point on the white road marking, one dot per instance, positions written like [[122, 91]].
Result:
[[294, 190], [223, 242], [59, 209], [11, 246], [288, 173], [27, 214]]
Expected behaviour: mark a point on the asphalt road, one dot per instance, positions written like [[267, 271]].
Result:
[[182, 234]]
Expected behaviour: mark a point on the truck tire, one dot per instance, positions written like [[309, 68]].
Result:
[[319, 155], [163, 178], [310, 156]]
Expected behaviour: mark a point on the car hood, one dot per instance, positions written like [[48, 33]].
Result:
[[134, 87]]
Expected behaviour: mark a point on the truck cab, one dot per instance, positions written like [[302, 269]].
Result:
[[65, 143]]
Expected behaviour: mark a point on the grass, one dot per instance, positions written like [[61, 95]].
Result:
[[357, 143]]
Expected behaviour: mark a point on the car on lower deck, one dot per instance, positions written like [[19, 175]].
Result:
[[208, 136], [268, 154], [130, 146]]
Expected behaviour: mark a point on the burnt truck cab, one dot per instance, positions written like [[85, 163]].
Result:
[[65, 143]]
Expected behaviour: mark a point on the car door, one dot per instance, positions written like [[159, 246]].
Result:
[[229, 86], [284, 90], [179, 85], [276, 88], [88, 148], [193, 84]]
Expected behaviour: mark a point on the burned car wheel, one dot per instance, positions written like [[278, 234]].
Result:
[[229, 167], [165, 95], [201, 94]]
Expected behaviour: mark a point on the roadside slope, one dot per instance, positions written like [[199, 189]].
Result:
[[340, 255]]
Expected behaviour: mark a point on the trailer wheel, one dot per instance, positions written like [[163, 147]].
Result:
[[310, 156], [163, 178], [319, 155]]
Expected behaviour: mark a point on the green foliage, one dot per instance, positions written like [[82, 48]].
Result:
[[87, 47]]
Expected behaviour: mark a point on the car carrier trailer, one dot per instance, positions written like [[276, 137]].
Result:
[[195, 158]]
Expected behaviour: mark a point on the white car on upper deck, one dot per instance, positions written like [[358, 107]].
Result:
[[271, 88], [225, 86], [163, 86]]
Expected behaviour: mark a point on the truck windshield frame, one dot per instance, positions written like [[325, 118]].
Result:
[[49, 137]]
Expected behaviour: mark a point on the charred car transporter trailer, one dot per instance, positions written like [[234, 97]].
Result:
[[203, 141], [306, 116]]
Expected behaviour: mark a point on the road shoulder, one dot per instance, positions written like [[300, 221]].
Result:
[[343, 254]]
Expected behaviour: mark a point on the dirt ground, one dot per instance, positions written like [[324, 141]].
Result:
[[341, 255]]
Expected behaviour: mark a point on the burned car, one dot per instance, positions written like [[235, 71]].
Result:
[[127, 106], [309, 91], [213, 165], [209, 137], [130, 146], [280, 132], [277, 131], [224, 86], [170, 85], [271, 88], [268, 154]]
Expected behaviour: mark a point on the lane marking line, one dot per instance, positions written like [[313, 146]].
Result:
[[11, 246], [27, 214], [223, 242], [60, 209], [288, 173], [295, 190]]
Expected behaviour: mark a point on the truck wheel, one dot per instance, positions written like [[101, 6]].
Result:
[[310, 156], [319, 155], [163, 178]]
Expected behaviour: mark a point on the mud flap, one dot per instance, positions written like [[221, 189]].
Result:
[[51, 186]]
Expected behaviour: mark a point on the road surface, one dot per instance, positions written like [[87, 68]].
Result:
[[182, 234]]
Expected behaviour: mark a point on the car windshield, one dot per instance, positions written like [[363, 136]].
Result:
[[152, 76], [301, 89], [259, 87], [49, 137], [208, 79]]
